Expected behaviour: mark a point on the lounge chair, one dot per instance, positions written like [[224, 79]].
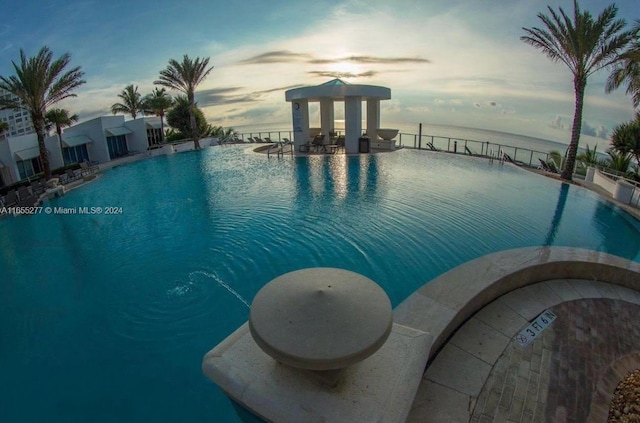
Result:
[[23, 192], [10, 199], [468, 151], [258, 139], [70, 176], [431, 146], [37, 187], [87, 169], [29, 200], [318, 141], [26, 197], [548, 166]]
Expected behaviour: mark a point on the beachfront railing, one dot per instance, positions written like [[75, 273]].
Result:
[[473, 147], [486, 149], [616, 176]]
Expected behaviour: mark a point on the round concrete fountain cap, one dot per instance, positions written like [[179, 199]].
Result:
[[320, 318]]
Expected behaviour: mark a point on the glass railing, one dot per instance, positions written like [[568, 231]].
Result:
[[488, 149]]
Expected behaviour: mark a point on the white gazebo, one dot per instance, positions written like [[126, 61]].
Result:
[[327, 94]]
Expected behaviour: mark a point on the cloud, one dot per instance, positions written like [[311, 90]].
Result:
[[418, 109], [602, 132], [276, 56], [370, 60], [589, 129], [259, 113], [586, 129], [233, 95], [557, 123], [336, 74], [5, 46]]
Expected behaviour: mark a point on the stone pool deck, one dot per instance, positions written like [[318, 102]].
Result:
[[477, 371]]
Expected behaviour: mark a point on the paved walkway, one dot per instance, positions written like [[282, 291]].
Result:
[[567, 374]]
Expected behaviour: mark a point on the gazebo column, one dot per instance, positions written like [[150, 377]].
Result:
[[300, 115], [352, 123], [373, 118], [326, 117]]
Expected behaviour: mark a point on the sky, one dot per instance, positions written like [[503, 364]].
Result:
[[447, 62]]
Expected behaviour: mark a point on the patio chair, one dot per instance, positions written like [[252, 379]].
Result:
[[548, 166], [29, 200], [87, 169], [10, 199], [37, 187], [553, 167], [306, 147], [23, 192], [70, 176], [317, 142]]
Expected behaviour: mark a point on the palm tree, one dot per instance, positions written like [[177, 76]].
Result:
[[618, 161], [60, 118], [158, 102], [4, 127], [39, 83], [585, 45], [625, 138], [131, 102], [589, 157], [628, 70], [185, 77], [179, 118]]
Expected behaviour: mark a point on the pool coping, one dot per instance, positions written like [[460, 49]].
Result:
[[445, 303]]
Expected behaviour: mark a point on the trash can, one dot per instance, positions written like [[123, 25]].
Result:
[[364, 144]]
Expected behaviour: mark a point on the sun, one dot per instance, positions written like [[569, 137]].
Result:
[[345, 69]]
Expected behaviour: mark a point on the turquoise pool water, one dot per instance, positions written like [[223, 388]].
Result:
[[106, 318]]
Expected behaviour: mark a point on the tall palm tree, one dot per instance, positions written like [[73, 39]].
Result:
[[185, 77], [60, 118], [158, 102], [628, 70], [132, 103], [585, 45], [39, 83]]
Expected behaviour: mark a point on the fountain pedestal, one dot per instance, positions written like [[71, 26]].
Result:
[[306, 328]]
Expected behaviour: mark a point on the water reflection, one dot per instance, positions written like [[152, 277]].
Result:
[[557, 215], [337, 179]]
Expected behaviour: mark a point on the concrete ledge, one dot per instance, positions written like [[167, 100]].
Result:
[[379, 389], [460, 293]]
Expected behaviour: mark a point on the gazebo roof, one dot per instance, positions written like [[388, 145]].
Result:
[[337, 89]]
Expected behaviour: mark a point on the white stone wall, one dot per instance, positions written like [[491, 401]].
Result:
[[604, 182]]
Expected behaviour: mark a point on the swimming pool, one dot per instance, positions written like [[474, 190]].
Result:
[[107, 317]]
